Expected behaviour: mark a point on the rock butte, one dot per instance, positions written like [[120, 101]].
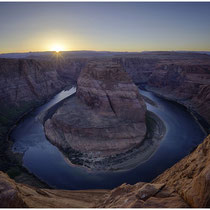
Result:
[[106, 117]]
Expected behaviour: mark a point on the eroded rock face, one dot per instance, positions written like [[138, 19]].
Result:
[[142, 195], [202, 101], [190, 177], [186, 184], [106, 118], [25, 80], [107, 88], [15, 195], [183, 77], [25, 83], [9, 195]]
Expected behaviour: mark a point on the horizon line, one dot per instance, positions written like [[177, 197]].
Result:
[[21, 52]]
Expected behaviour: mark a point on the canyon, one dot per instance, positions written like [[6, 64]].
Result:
[[107, 116], [181, 77], [26, 84], [186, 184]]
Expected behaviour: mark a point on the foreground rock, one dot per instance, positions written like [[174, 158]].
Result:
[[142, 195], [106, 118], [190, 177], [21, 196], [187, 183], [9, 195]]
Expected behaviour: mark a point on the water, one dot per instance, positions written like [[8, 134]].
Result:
[[44, 160]]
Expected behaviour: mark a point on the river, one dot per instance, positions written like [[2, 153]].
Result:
[[44, 160]]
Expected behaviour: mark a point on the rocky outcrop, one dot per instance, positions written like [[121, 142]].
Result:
[[9, 195], [106, 118], [20, 196], [186, 184], [190, 177], [142, 195]]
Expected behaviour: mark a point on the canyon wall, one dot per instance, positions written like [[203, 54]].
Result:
[[26, 83], [182, 77]]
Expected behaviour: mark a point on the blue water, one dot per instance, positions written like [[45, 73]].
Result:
[[44, 160]]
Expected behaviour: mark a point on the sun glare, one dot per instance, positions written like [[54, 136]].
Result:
[[57, 48]]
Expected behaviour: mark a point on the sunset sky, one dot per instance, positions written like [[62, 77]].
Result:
[[104, 26]]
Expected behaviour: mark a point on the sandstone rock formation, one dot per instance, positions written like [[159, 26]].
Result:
[[187, 183], [177, 76], [106, 87], [142, 195], [20, 196], [9, 195], [190, 177], [201, 101], [25, 84], [26, 80], [106, 118]]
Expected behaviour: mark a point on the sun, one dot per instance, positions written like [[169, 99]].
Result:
[[57, 48]]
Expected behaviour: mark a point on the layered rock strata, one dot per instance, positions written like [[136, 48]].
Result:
[[201, 101], [26, 80], [190, 177], [107, 116], [25, 84], [176, 76]]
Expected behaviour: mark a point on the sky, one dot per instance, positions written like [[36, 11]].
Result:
[[118, 26]]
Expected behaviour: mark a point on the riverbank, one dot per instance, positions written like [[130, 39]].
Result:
[[53, 159], [11, 162], [186, 104], [123, 161]]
